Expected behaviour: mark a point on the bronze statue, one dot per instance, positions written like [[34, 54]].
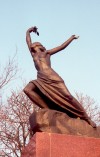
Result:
[[49, 90]]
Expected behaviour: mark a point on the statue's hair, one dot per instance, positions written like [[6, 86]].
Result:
[[36, 44], [33, 45]]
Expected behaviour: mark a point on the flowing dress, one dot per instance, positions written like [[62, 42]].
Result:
[[52, 89]]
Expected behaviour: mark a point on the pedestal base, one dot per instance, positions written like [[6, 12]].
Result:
[[61, 145]]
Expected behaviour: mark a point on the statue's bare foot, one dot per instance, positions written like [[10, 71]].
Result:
[[91, 123]]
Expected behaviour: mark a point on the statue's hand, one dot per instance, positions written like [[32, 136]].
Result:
[[75, 37], [33, 29]]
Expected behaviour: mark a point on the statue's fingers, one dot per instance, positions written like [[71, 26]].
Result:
[[35, 28]]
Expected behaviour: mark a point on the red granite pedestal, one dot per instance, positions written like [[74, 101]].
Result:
[[61, 145]]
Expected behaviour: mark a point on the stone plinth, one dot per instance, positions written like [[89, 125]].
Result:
[[52, 121], [61, 145]]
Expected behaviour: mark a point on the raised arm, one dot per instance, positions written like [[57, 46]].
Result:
[[28, 37], [63, 46]]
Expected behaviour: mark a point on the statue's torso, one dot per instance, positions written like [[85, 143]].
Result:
[[41, 61], [43, 65]]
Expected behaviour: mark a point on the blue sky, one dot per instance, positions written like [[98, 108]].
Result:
[[56, 20]]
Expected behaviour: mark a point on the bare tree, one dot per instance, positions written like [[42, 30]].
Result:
[[14, 125], [7, 74], [91, 107]]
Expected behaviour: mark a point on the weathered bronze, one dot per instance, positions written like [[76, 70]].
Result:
[[49, 90]]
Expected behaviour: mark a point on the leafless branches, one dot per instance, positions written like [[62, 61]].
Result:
[[8, 72], [14, 124], [90, 106]]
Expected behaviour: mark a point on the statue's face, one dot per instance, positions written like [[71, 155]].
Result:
[[40, 48]]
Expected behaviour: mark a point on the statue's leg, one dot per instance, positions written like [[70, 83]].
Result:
[[75, 102], [31, 91]]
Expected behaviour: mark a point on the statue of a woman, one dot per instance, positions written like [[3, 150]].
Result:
[[49, 90]]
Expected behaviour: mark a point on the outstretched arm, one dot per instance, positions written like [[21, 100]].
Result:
[[63, 46], [28, 37]]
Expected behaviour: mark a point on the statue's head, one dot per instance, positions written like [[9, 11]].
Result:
[[37, 46]]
